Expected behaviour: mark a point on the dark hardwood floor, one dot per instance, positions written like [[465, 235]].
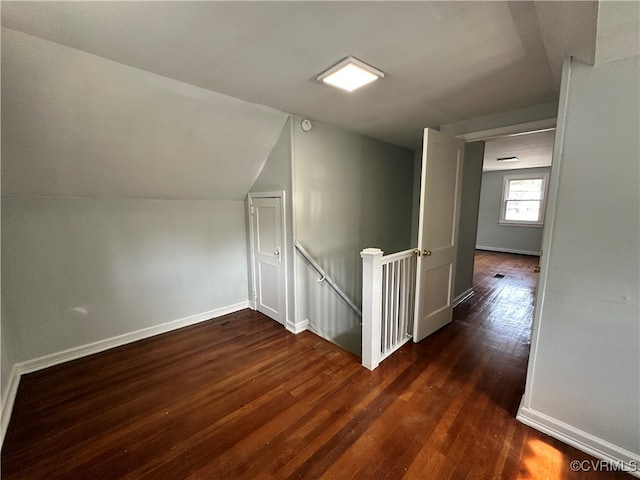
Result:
[[240, 398]]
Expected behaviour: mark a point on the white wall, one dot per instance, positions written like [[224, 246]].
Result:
[[504, 238], [350, 192], [583, 383], [76, 271]]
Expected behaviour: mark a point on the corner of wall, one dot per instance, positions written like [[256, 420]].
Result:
[[9, 393], [10, 379], [297, 327]]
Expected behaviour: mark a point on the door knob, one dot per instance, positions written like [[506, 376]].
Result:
[[277, 252], [417, 251], [426, 253]]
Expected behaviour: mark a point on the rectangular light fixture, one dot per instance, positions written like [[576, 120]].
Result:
[[508, 159], [350, 74]]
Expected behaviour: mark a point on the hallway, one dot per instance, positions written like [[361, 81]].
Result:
[[503, 302]]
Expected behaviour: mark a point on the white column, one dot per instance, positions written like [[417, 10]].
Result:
[[371, 306]]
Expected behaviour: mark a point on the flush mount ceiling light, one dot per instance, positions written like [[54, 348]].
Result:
[[508, 159], [350, 74]]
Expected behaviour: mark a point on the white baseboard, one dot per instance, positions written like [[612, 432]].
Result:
[[462, 297], [312, 329], [96, 347], [508, 250], [581, 440], [106, 344], [7, 401], [297, 327]]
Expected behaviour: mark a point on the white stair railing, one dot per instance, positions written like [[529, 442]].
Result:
[[388, 299]]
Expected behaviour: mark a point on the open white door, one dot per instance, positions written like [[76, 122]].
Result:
[[268, 269], [440, 192]]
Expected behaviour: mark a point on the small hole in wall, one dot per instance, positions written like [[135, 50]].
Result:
[[498, 275]]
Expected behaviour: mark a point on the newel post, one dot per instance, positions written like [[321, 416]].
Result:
[[371, 306]]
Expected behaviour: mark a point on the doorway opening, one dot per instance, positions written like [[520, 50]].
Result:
[[506, 254], [503, 212]]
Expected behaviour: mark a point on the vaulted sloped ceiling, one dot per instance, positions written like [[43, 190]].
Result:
[[141, 106], [77, 125]]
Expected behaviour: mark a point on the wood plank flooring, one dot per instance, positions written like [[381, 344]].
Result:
[[240, 398]]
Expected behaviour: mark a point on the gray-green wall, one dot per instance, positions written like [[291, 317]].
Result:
[[82, 270], [503, 238], [469, 204], [350, 192]]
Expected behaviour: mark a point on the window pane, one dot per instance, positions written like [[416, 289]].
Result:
[[522, 211], [530, 189]]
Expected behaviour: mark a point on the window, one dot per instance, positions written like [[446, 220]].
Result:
[[523, 198]]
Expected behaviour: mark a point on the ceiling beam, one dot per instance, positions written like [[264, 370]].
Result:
[[538, 117]]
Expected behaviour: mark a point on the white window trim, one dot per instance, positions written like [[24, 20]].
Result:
[[503, 207]]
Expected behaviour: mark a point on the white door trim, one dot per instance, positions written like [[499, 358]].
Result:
[[284, 290]]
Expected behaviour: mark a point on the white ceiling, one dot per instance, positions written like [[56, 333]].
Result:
[[444, 61], [532, 150]]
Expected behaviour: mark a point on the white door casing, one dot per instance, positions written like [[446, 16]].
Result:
[[268, 264], [440, 193]]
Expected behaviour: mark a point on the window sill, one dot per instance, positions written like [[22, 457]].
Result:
[[520, 224]]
